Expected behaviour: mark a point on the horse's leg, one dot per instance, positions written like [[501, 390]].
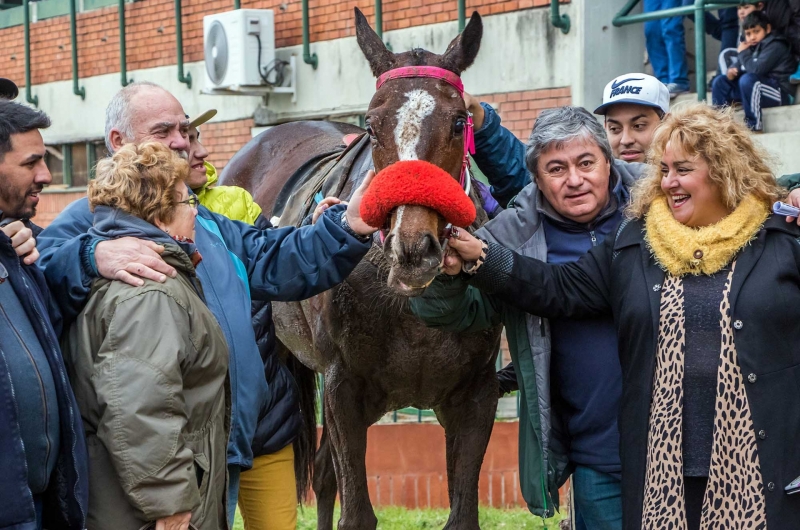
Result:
[[324, 483], [468, 418], [346, 422]]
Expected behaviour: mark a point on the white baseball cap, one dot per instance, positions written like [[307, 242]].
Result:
[[639, 89]]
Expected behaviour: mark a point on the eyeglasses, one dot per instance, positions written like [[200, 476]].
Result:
[[192, 201]]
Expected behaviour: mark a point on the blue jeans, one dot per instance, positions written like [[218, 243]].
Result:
[[666, 46], [753, 91], [598, 500], [233, 492]]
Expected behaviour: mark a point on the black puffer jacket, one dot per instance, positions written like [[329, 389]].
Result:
[[772, 57], [784, 16], [279, 420]]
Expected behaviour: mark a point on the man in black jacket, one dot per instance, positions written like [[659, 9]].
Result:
[[42, 449], [762, 78]]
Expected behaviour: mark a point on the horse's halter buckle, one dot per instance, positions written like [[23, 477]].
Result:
[[434, 72]]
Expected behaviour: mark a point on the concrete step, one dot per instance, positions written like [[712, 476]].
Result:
[[776, 119], [784, 148]]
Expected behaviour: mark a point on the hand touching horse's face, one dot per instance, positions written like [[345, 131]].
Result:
[[417, 119]]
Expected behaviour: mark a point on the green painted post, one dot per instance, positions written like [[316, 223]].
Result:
[[237, 4], [29, 97], [308, 57], [700, 48], [66, 164], [187, 79], [123, 62], [557, 19], [91, 159], [73, 31], [462, 15], [379, 18]]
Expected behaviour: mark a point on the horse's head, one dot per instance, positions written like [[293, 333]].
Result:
[[417, 118]]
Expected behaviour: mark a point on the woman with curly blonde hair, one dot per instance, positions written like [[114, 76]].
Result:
[[149, 363], [704, 287]]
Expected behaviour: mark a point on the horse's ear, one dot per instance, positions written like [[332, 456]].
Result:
[[379, 57], [462, 51]]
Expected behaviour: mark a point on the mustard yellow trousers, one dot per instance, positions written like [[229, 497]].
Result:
[[267, 492]]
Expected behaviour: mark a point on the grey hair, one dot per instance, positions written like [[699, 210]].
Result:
[[118, 114], [555, 127]]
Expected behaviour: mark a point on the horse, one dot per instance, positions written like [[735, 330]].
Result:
[[375, 355]]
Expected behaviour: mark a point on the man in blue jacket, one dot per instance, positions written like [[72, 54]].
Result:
[[42, 449], [239, 260]]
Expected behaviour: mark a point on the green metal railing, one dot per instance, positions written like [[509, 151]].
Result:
[[187, 79], [624, 18], [123, 62], [73, 32], [462, 15], [308, 57], [29, 97], [557, 19]]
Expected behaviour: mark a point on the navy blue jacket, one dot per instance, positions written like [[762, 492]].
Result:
[[501, 157], [66, 498], [239, 260]]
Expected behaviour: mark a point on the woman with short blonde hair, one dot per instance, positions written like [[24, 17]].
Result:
[[149, 363], [704, 287]]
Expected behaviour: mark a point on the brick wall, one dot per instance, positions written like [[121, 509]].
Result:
[[150, 31], [518, 110], [224, 139]]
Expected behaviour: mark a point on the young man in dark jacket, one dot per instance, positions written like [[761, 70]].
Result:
[[762, 78], [42, 449]]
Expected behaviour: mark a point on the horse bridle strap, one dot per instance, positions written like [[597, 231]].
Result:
[[434, 72]]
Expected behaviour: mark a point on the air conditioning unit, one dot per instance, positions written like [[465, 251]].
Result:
[[239, 47]]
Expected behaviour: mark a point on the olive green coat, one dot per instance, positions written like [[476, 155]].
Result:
[[149, 368]]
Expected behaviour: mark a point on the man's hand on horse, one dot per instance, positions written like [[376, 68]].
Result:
[[467, 246], [129, 259], [354, 209], [323, 205], [451, 262], [22, 241], [474, 106]]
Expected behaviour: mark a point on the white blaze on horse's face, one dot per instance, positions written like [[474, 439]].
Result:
[[397, 246], [418, 106]]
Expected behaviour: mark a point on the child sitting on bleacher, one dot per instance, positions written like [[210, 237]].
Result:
[[761, 79]]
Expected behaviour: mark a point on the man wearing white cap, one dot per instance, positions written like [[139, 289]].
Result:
[[633, 106]]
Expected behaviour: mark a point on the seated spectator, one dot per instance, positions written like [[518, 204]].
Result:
[[762, 78], [729, 55], [42, 448], [149, 363]]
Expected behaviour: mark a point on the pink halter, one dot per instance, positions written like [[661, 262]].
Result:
[[454, 81]]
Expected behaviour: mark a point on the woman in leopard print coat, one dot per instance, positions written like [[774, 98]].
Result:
[[704, 287]]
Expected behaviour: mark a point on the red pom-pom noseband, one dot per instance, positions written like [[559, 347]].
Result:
[[420, 183]]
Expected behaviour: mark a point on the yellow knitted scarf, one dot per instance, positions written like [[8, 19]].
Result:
[[680, 249]]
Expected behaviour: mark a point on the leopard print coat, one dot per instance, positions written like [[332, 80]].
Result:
[[734, 498]]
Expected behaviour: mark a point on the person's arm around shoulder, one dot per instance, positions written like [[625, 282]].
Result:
[[290, 264], [139, 385], [450, 304], [498, 153], [72, 259]]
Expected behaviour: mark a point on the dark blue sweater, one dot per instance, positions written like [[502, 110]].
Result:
[[585, 372]]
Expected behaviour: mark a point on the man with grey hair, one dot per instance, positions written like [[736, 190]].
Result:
[[239, 261], [568, 371]]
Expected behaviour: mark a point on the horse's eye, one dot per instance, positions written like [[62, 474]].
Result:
[[458, 127], [370, 131]]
